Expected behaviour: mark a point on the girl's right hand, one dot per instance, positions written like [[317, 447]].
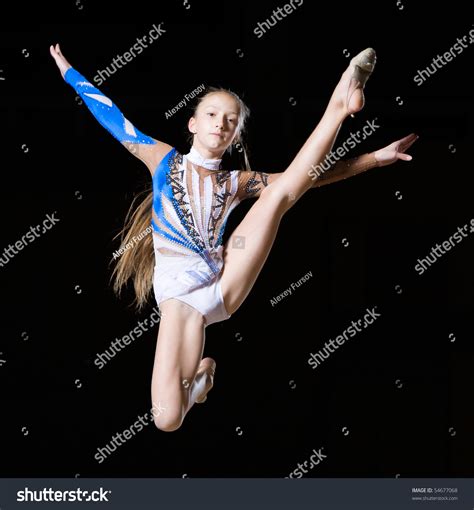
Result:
[[61, 62], [395, 151]]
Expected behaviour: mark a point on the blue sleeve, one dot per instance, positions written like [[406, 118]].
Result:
[[104, 110]]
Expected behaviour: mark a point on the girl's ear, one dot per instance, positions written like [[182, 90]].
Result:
[[192, 124]]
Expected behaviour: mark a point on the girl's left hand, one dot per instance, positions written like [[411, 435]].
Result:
[[59, 58], [395, 151]]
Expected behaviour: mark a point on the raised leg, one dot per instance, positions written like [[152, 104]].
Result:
[[249, 245]]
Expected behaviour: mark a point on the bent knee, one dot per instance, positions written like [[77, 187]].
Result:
[[168, 411], [168, 423]]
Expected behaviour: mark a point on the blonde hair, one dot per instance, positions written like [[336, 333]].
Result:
[[136, 260]]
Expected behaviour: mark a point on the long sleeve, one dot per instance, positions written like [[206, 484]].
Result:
[[347, 168], [251, 183], [105, 111]]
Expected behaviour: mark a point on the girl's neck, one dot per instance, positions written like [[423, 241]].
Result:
[[196, 157]]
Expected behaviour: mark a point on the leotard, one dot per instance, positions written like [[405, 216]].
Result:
[[192, 200]]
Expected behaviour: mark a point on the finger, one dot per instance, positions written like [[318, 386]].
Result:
[[408, 141], [53, 53], [404, 157], [408, 137], [408, 145]]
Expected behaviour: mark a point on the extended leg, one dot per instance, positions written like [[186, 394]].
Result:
[[296, 179], [247, 249], [249, 245], [347, 98]]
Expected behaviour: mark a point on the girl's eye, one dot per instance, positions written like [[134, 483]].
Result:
[[210, 113]]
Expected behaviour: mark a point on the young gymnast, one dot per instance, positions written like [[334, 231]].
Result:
[[197, 280]]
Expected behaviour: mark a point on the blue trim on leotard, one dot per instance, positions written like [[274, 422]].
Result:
[[161, 186], [110, 117], [104, 110]]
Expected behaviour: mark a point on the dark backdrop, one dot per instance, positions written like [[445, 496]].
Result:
[[395, 400]]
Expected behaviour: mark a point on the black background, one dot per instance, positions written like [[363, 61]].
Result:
[[50, 334]]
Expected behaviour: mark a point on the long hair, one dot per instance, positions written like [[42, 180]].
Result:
[[136, 257]]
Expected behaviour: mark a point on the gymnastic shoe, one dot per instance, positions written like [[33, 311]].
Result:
[[362, 67], [207, 365]]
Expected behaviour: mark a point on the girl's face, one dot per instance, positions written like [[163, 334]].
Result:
[[215, 123]]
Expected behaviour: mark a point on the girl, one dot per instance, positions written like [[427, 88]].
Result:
[[196, 279]]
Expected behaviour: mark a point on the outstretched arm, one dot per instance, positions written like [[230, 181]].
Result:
[[383, 157], [145, 148], [251, 183], [344, 169]]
